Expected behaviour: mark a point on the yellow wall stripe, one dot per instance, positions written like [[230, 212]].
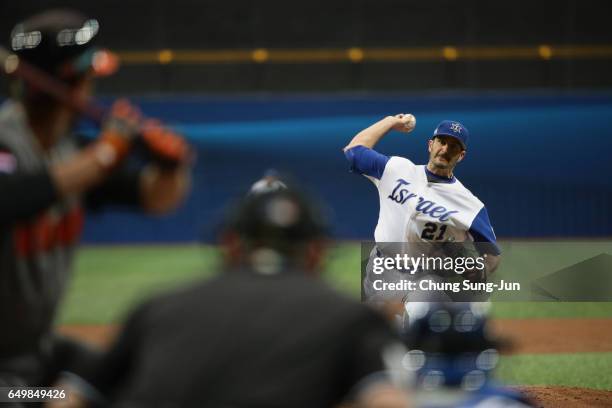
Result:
[[357, 54]]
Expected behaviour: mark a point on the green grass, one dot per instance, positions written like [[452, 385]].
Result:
[[110, 280], [589, 370]]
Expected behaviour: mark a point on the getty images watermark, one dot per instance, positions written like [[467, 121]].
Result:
[[455, 271], [472, 272], [445, 267]]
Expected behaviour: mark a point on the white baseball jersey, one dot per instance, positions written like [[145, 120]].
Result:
[[417, 205]]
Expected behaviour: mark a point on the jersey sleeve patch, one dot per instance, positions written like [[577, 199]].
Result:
[[366, 161], [482, 231]]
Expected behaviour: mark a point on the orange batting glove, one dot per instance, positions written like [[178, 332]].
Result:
[[119, 130], [168, 147]]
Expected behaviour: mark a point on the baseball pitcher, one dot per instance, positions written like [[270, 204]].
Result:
[[422, 204]]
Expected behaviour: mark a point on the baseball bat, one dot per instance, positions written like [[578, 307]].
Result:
[[12, 65]]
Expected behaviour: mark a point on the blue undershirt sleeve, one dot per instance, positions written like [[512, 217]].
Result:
[[366, 161], [482, 231]]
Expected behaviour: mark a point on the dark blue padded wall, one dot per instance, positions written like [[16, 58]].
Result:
[[540, 162]]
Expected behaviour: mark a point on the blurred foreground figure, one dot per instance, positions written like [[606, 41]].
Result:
[[48, 177], [452, 355], [265, 333]]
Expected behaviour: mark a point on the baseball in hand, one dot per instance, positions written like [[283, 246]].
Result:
[[408, 122]]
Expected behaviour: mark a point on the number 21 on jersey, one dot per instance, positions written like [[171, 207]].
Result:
[[433, 231]]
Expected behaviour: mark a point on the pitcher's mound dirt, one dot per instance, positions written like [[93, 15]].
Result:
[[534, 336], [568, 397]]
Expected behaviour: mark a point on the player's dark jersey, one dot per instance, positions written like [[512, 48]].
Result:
[[245, 339], [36, 250], [38, 232]]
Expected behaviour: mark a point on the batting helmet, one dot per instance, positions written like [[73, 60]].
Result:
[[61, 42]]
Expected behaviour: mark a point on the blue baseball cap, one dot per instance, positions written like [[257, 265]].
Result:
[[453, 129]]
